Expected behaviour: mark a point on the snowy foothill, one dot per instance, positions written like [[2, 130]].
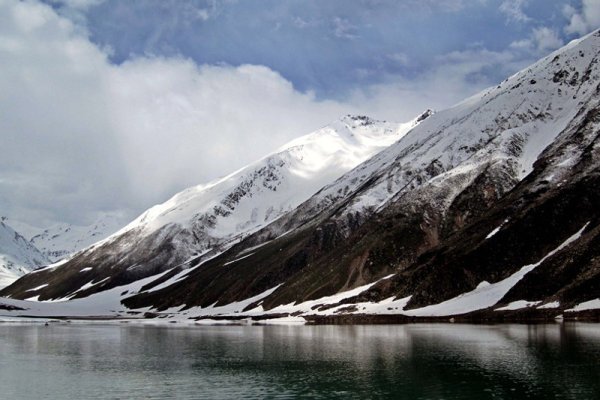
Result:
[[106, 304]]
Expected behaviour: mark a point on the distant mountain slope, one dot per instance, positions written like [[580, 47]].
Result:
[[17, 255], [61, 240], [204, 220]]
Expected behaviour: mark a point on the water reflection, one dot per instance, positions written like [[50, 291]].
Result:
[[403, 361]]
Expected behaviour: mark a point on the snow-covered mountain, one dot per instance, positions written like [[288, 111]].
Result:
[[17, 255], [60, 240], [505, 127], [254, 196], [437, 192], [487, 209], [206, 219]]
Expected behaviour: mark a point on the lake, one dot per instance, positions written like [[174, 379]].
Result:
[[420, 361]]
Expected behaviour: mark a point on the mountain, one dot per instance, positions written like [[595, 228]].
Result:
[[63, 239], [487, 210], [17, 255], [454, 214], [204, 220]]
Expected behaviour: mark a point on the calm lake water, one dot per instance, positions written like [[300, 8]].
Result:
[[402, 361]]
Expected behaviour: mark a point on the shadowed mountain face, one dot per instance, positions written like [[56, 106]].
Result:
[[491, 202]]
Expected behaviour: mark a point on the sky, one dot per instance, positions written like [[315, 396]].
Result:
[[108, 107]]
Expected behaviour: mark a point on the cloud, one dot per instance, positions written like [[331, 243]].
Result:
[[401, 59], [546, 39], [442, 5], [455, 76], [584, 21], [180, 124], [77, 4], [541, 40], [55, 144], [513, 9], [75, 10], [82, 136], [342, 28]]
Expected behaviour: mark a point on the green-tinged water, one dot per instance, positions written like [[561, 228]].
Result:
[[235, 362]]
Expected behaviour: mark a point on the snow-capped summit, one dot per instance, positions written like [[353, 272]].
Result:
[[512, 123], [254, 196]]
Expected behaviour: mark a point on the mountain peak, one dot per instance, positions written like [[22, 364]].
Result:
[[358, 120]]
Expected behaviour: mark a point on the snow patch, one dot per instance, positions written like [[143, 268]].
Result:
[[91, 284], [487, 296], [35, 289], [587, 305], [231, 308], [492, 233], [237, 259], [483, 284], [554, 304], [517, 305], [312, 306]]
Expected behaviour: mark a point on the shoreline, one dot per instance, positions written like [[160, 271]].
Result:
[[524, 316]]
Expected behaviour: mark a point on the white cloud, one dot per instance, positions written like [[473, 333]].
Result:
[[513, 9], [180, 124], [456, 75], [78, 4], [342, 28], [401, 59], [55, 142], [80, 135], [584, 21], [545, 39], [541, 41]]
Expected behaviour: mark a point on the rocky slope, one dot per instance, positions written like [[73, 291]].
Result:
[[486, 209]]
